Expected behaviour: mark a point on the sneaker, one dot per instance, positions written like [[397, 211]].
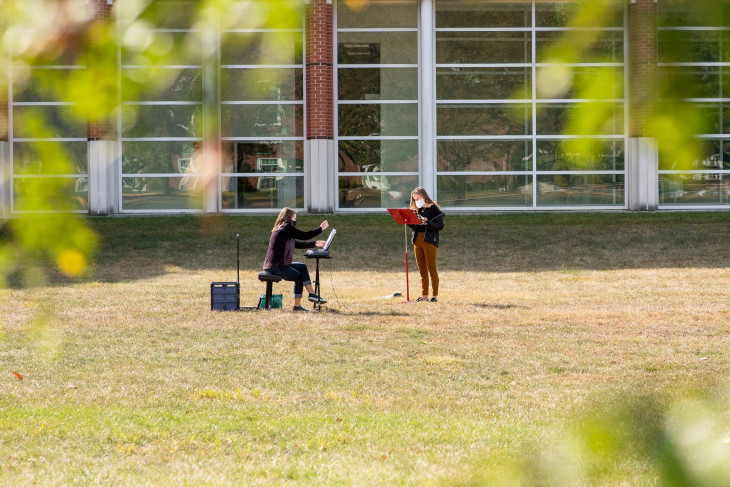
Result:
[[314, 298], [421, 298], [300, 308], [433, 299]]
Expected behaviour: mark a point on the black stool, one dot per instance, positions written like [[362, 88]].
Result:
[[269, 279]]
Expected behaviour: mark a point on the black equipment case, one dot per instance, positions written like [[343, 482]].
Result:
[[226, 296]]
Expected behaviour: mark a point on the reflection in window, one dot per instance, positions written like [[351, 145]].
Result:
[[484, 155], [264, 156], [514, 190], [580, 190], [694, 189], [553, 156], [378, 156], [372, 190], [263, 192], [161, 193]]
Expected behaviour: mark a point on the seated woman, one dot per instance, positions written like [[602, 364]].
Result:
[[285, 237]]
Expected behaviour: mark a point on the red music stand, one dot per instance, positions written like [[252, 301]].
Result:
[[405, 216]]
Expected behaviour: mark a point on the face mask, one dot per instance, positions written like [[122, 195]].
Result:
[[420, 203], [294, 223]]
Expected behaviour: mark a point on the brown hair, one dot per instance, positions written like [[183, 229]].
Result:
[[285, 216], [425, 197]]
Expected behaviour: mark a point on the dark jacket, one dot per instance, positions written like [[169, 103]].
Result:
[[282, 243], [432, 227]]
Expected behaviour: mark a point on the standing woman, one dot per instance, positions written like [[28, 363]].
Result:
[[285, 237], [426, 240]]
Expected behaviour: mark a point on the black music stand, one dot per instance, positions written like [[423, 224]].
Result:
[[317, 256], [405, 216]]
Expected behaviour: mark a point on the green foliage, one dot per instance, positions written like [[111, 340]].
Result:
[[678, 441]]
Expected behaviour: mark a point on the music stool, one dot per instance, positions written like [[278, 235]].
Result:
[[269, 279]]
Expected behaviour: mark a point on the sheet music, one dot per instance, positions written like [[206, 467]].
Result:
[[329, 239]]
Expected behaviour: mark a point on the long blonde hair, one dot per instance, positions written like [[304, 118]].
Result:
[[285, 216], [425, 197]]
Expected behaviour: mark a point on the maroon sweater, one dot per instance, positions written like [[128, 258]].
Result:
[[282, 243]]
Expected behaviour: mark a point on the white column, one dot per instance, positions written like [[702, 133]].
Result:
[[427, 132], [5, 178], [320, 183], [642, 174], [104, 174]]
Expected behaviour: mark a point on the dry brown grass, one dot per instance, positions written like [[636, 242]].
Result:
[[129, 379]]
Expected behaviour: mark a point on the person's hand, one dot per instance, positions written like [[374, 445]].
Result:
[[324, 225], [320, 243], [424, 219]]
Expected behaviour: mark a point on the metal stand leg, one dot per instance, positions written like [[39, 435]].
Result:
[[317, 305]]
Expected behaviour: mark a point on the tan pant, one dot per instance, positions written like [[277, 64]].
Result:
[[426, 260]]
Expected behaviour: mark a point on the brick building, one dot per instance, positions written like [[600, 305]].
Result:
[[347, 105]]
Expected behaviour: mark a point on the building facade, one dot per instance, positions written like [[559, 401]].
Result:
[[347, 105]]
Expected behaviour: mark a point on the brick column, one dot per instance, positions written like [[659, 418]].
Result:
[[319, 108], [642, 161], [104, 163]]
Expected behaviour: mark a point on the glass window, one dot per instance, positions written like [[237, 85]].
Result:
[[378, 156], [483, 47], [377, 48], [262, 192], [470, 14], [161, 193], [377, 13], [377, 84], [715, 155], [600, 82], [684, 13], [694, 189], [48, 121], [560, 13], [285, 14], [695, 81], [555, 155], [68, 193], [606, 47], [484, 155], [262, 84], [41, 85], [162, 121], [262, 120], [514, 190], [483, 83], [171, 14], [262, 48], [375, 190], [554, 119], [50, 158], [580, 190], [272, 156], [692, 46], [378, 119], [162, 84], [492, 119], [163, 48], [159, 157]]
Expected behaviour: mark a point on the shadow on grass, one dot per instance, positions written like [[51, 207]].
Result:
[[134, 248], [498, 306], [366, 313]]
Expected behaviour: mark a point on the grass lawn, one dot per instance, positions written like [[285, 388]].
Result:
[[130, 379]]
